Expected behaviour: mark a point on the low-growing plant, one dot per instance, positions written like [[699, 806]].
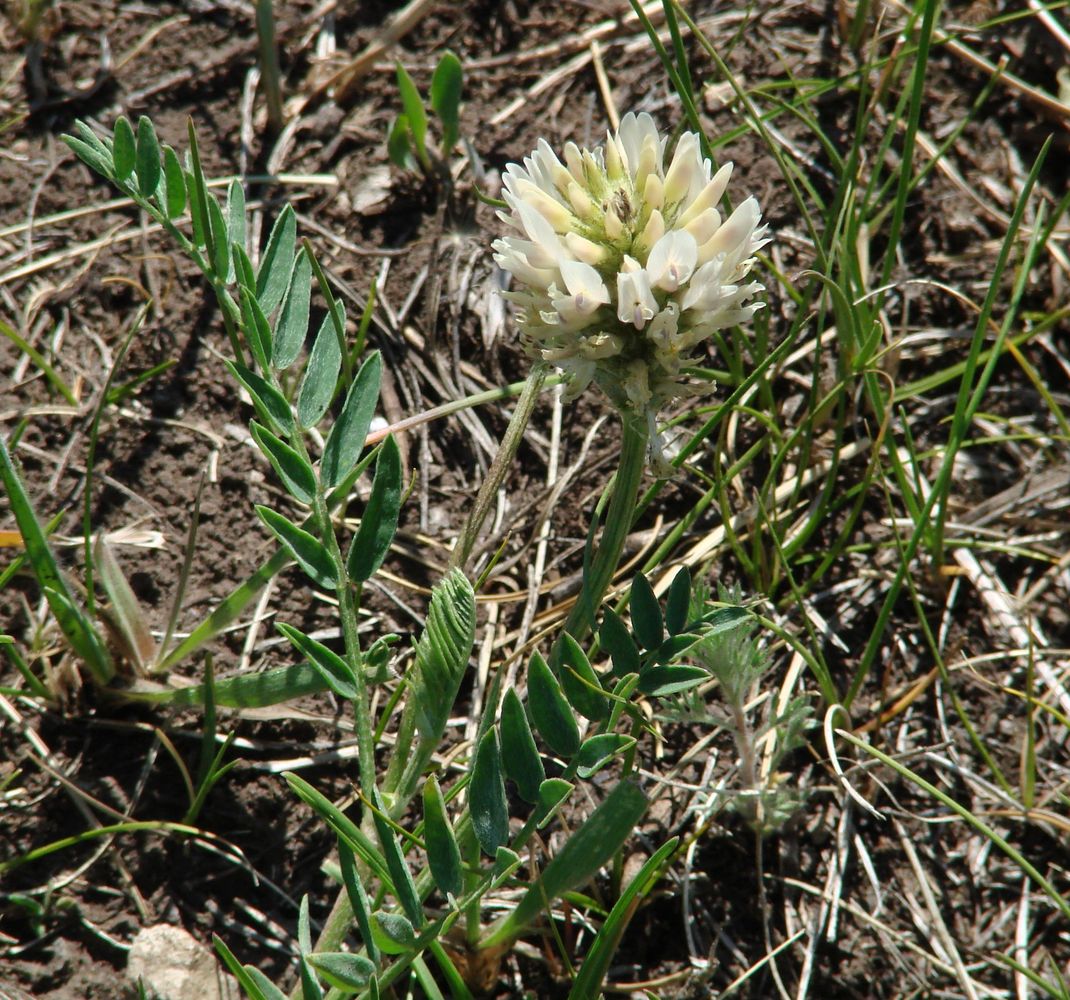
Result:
[[648, 275], [408, 139]]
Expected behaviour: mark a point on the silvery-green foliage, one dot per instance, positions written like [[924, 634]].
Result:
[[741, 665]]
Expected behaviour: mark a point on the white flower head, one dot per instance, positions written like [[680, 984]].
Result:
[[623, 263]]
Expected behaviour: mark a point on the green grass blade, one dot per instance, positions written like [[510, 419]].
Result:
[[588, 983], [77, 629]]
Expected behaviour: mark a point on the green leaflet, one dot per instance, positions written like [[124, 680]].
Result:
[[665, 680], [618, 642], [268, 401], [597, 751], [291, 327], [414, 111], [348, 831], [552, 795], [581, 684], [443, 854], [277, 261], [404, 887], [321, 375], [308, 550], [358, 898], [335, 672], [549, 710], [442, 653], [380, 520], [393, 932], [646, 613], [445, 97], [519, 753], [147, 158], [123, 148], [296, 474], [346, 439], [678, 601], [486, 795], [343, 969]]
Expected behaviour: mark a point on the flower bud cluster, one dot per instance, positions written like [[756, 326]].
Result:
[[622, 262]]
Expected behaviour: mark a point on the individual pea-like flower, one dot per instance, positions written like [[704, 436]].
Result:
[[623, 266]]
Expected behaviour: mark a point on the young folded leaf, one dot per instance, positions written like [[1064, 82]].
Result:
[[236, 213], [174, 184], [310, 985], [486, 795], [217, 226], [126, 610], [442, 654]]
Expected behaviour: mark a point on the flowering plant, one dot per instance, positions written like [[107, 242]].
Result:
[[626, 264]]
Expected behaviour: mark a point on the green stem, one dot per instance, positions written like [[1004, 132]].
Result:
[[598, 574], [518, 423]]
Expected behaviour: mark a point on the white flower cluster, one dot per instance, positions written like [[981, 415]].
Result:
[[624, 262]]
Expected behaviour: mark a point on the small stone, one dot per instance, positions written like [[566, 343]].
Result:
[[172, 965]]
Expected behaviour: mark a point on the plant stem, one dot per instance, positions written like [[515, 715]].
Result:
[[598, 574]]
